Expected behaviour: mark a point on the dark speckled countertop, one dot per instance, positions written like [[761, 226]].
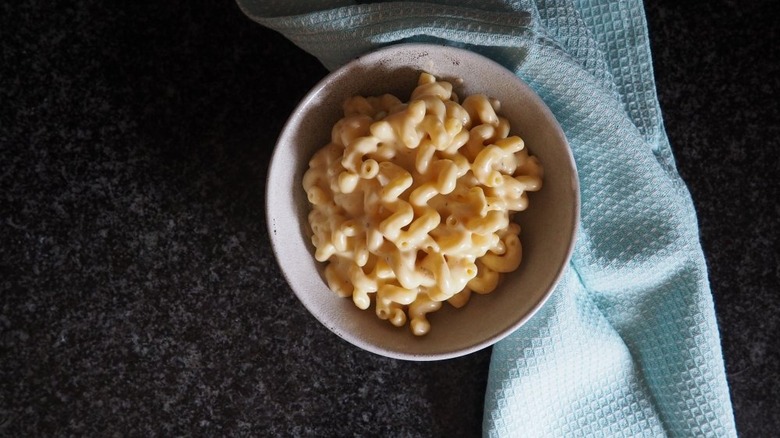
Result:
[[139, 295]]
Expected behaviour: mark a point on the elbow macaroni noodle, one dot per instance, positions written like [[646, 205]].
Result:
[[412, 202]]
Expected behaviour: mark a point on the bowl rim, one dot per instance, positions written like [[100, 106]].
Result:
[[491, 340]]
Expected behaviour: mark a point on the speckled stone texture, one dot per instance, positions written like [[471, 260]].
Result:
[[717, 68], [140, 297]]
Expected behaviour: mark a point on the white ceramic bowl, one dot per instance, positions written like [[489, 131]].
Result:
[[548, 226]]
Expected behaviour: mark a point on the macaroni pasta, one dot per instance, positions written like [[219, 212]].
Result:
[[412, 202]]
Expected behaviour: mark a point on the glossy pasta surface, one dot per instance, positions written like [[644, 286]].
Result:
[[412, 202]]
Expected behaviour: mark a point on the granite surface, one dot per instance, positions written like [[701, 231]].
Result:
[[138, 292]]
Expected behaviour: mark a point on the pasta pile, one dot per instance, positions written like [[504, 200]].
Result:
[[412, 202]]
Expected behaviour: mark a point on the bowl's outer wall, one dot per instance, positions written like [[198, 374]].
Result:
[[548, 226]]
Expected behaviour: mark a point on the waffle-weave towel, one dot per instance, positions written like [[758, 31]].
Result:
[[628, 344]]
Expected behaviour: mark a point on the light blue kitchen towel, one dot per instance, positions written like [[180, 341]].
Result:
[[628, 344]]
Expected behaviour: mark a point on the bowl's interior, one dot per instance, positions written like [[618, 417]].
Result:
[[548, 226]]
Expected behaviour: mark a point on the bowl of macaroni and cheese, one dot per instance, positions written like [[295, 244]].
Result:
[[422, 202]]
